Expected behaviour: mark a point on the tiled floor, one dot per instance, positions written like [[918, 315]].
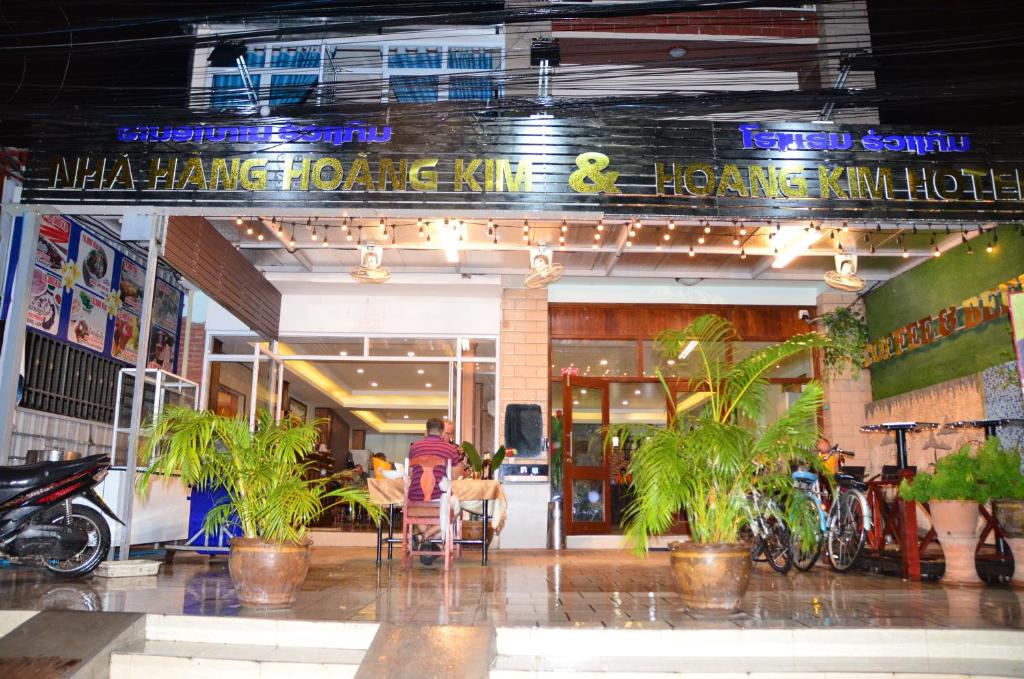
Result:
[[527, 588]]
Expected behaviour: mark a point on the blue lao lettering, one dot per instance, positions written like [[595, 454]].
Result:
[[753, 137], [336, 135], [935, 141]]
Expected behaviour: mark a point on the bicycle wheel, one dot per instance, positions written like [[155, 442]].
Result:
[[805, 556], [846, 534], [776, 547]]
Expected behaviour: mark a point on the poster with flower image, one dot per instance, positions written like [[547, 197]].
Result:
[[131, 284], [96, 261], [88, 323], [125, 344]]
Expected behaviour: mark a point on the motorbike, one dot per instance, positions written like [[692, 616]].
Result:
[[40, 522]]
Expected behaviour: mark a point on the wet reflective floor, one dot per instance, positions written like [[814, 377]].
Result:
[[529, 588]]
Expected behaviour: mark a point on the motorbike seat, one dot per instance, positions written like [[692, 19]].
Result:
[[29, 475]]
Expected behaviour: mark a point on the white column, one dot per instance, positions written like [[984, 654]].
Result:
[[14, 330], [138, 392]]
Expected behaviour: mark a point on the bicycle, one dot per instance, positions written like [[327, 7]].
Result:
[[771, 536], [844, 529]]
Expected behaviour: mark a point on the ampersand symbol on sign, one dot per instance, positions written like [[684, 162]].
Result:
[[592, 167]]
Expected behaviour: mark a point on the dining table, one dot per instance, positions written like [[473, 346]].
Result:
[[390, 493]]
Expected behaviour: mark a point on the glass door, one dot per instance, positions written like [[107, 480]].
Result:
[[587, 476]]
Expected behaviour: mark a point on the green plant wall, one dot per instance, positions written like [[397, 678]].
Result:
[[924, 290]]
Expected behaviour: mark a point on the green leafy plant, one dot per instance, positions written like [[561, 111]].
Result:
[[263, 472], [1000, 471], [847, 332], [476, 462], [957, 477], [557, 430], [708, 464]]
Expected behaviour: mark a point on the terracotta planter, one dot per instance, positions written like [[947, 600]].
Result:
[[956, 523], [268, 574], [712, 579], [1011, 517]]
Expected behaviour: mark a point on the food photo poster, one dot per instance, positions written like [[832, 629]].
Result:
[[86, 290]]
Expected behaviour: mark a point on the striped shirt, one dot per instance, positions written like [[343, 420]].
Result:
[[433, 446]]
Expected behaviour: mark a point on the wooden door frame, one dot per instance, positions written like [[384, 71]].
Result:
[[602, 473]]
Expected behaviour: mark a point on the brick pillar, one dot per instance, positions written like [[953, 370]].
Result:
[[523, 368], [846, 398], [197, 343]]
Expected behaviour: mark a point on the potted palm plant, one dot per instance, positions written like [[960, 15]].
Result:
[[1000, 471], [269, 497], [953, 494], [483, 467], [708, 464]]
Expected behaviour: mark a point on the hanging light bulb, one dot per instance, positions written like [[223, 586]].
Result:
[[344, 225], [600, 225], [657, 248], [743, 253], [526, 237], [707, 227], [935, 251], [629, 243], [422, 230], [839, 247], [905, 253], [832, 235], [778, 226], [597, 235], [359, 239], [691, 252], [561, 241], [259, 236], [248, 230], [667, 237], [495, 237], [348, 235], [735, 241], [988, 248], [564, 228], [639, 225], [878, 227], [867, 237], [490, 227], [324, 244], [671, 225], [238, 221], [632, 230], [313, 235], [526, 226], [743, 230], [872, 248], [846, 227], [383, 227], [913, 229], [700, 240]]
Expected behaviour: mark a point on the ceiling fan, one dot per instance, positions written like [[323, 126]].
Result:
[[543, 270], [370, 269], [845, 275]]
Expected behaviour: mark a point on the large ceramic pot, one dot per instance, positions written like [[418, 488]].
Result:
[[712, 578], [474, 530], [1011, 518], [268, 574], [956, 524]]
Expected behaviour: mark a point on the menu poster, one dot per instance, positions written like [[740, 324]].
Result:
[[162, 350], [96, 260], [166, 306], [88, 323], [132, 283], [44, 307], [125, 345], [54, 239]]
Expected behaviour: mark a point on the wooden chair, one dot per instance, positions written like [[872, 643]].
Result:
[[426, 514]]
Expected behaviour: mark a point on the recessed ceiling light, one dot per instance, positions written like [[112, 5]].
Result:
[[373, 384], [604, 361], [419, 371], [583, 391], [625, 403], [575, 403], [671, 361], [410, 353], [428, 385], [405, 417], [637, 392], [342, 353], [359, 370]]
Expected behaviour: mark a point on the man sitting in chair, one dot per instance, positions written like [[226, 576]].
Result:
[[434, 444]]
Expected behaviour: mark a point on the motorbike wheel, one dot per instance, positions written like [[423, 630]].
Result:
[[95, 527]]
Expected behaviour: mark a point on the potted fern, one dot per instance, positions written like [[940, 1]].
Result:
[[952, 495], [707, 464], [1000, 471], [269, 497]]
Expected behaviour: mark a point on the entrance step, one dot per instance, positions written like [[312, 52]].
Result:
[[840, 653], [185, 647]]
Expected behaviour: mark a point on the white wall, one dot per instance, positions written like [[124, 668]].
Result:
[[395, 446], [670, 292]]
